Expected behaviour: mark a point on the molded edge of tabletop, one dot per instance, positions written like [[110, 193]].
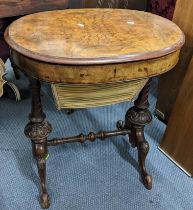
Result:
[[94, 61]]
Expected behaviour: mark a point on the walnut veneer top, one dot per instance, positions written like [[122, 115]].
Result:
[[93, 36]]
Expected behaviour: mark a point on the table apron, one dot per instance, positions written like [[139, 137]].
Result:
[[91, 74]]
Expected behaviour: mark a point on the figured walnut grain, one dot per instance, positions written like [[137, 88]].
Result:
[[93, 36]]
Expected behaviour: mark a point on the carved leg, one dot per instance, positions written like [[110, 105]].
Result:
[[38, 130], [33, 148], [136, 119]]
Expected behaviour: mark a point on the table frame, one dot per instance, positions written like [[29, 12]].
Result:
[[38, 130]]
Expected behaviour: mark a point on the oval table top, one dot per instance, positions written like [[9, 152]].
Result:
[[93, 36]]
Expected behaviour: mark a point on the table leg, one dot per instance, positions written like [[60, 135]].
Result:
[[136, 119], [70, 111], [15, 69], [38, 130]]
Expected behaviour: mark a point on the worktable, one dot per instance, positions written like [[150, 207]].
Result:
[[92, 57]]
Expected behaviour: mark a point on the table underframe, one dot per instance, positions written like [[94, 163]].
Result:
[[38, 130]]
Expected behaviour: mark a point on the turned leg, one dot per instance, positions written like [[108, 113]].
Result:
[[38, 130], [136, 119]]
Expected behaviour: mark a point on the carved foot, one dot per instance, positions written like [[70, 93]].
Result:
[[41, 163], [143, 149], [44, 201], [147, 181]]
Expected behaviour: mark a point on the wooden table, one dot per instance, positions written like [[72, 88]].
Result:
[[93, 47]]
